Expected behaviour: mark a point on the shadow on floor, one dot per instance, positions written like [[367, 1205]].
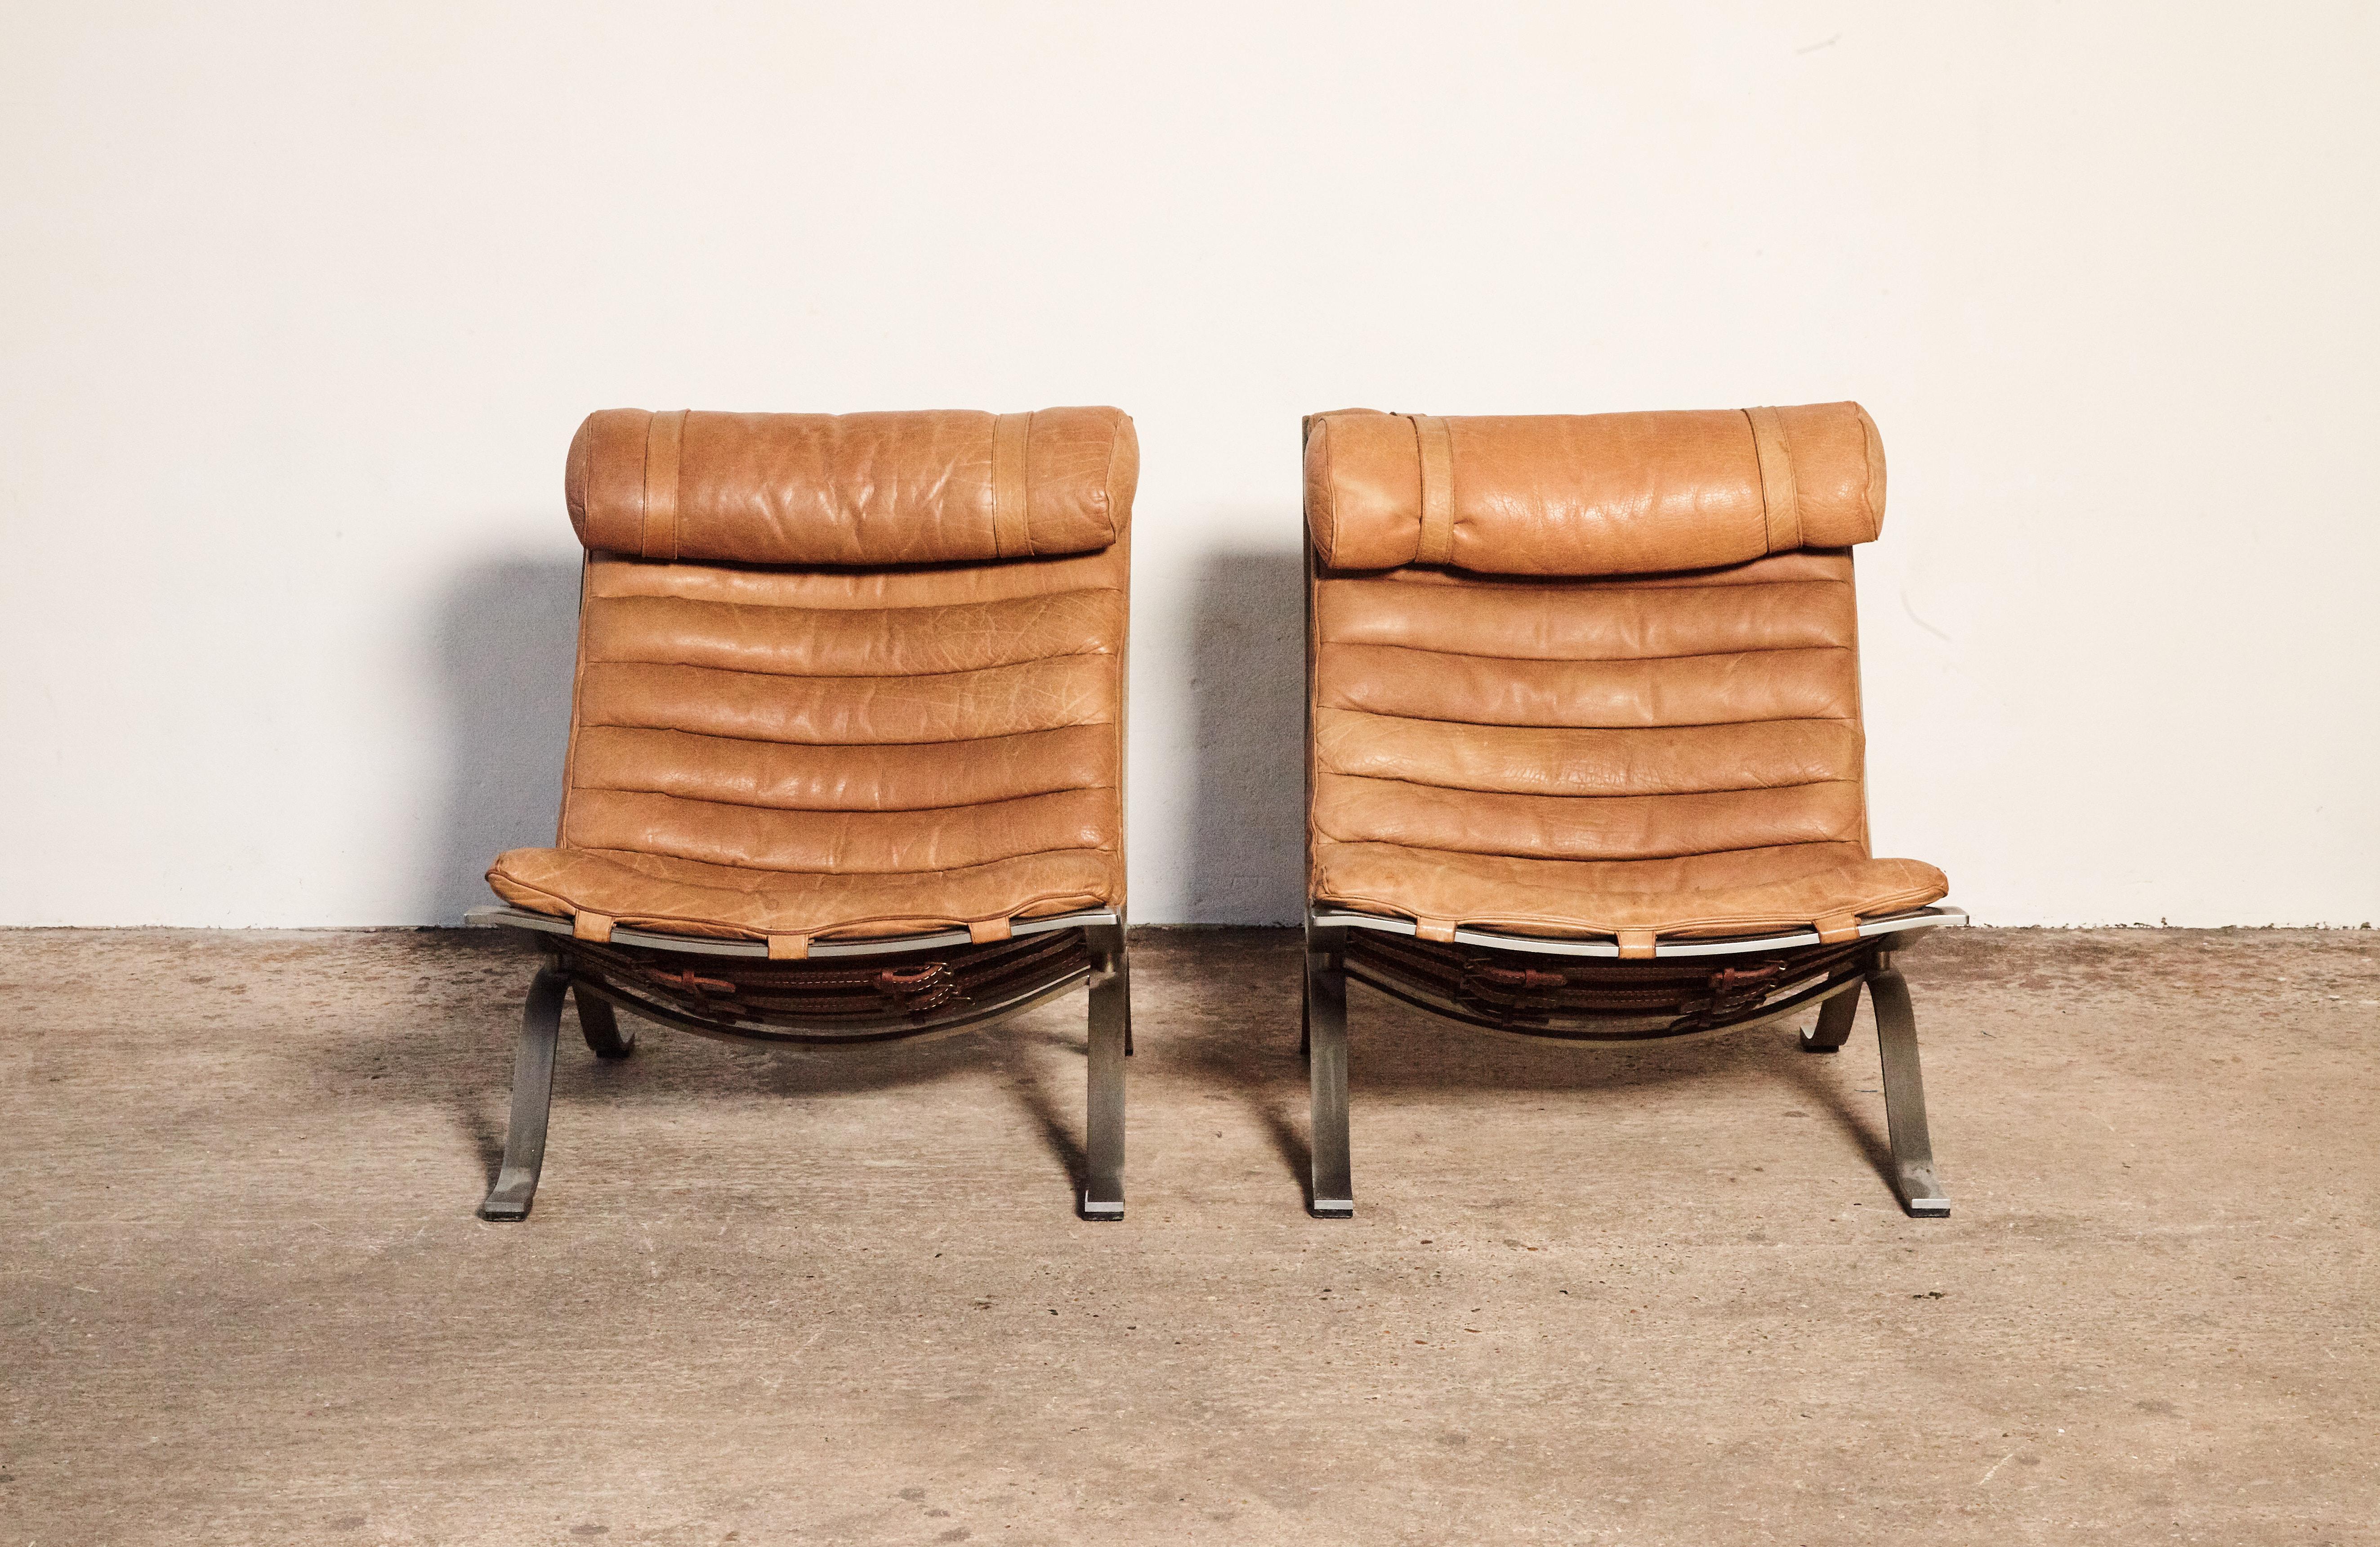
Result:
[[1233, 1013]]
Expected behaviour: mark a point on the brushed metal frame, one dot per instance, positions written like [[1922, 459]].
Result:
[[1323, 1035], [1110, 1016]]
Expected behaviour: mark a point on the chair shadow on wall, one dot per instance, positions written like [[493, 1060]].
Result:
[[1245, 836], [508, 646]]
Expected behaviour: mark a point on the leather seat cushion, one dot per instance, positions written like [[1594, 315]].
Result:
[[1632, 493], [1670, 755], [864, 490], [1747, 892], [818, 751], [674, 896]]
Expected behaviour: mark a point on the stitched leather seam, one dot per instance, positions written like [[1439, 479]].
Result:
[[1435, 448], [1555, 794], [1623, 859], [1553, 587], [1583, 659], [984, 806], [847, 746], [1105, 491], [1889, 903], [1380, 716], [1103, 652], [664, 433], [931, 871], [840, 612], [1781, 499], [1542, 857], [564, 906], [773, 741], [1032, 602], [837, 929], [1012, 492], [1510, 724]]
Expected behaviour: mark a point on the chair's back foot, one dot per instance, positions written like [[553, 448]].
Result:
[[532, 1099], [1904, 1096], [510, 1197]]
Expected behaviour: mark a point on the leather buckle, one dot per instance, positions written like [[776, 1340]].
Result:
[[1735, 988]]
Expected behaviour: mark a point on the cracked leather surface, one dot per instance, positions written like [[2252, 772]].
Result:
[[765, 749], [848, 489], [1572, 745], [1597, 493]]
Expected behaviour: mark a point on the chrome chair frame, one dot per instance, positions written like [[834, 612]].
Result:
[[1834, 992], [566, 973]]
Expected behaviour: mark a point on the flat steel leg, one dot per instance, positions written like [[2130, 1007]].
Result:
[[1326, 1070], [533, 1097], [1904, 1097], [601, 1027], [1123, 973], [1833, 1026], [1110, 1030]]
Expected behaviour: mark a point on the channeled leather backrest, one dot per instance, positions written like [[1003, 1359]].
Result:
[[1627, 699], [877, 716]]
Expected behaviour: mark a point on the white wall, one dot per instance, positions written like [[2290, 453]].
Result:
[[301, 308]]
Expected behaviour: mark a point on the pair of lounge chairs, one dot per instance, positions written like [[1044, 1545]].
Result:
[[1584, 755]]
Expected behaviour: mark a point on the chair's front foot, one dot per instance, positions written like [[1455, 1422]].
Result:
[[1111, 1040], [1326, 1071], [515, 1185], [1920, 1193], [510, 1197], [1904, 1097]]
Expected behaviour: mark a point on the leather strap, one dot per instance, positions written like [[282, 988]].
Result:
[[988, 931], [1011, 534], [591, 926], [1436, 489], [1635, 944], [789, 947], [1835, 928], [1780, 498], [1440, 930], [664, 438]]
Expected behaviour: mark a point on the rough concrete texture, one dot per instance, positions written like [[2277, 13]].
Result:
[[1651, 1296]]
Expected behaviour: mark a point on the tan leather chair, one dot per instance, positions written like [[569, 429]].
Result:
[[847, 742], [1584, 757]]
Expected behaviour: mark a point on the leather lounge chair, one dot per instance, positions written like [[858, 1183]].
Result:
[[1585, 758], [845, 761]]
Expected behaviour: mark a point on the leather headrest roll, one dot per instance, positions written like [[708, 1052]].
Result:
[[851, 489], [1591, 493]]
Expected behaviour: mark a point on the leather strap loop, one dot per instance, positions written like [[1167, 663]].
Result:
[[663, 439], [591, 926], [1436, 489], [789, 947], [990, 930], [1010, 533], [1635, 944], [1440, 929], [1837, 928], [1780, 498]]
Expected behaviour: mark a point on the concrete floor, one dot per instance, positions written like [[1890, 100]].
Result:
[[1659, 1296]]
